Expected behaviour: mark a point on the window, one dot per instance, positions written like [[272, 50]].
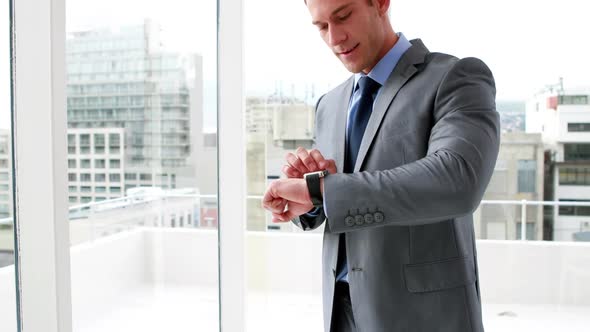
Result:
[[4, 176], [115, 163], [99, 163], [573, 100], [115, 177], [574, 176], [99, 143], [71, 176], [530, 230], [71, 163], [100, 189], [574, 210], [84, 140], [145, 177], [85, 177], [130, 176], [576, 151], [527, 173], [85, 199], [578, 127], [73, 199], [115, 190], [85, 189], [72, 189], [114, 143], [85, 163], [100, 177], [71, 143]]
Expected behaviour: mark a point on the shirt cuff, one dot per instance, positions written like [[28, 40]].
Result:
[[313, 213]]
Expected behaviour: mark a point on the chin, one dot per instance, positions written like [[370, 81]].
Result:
[[353, 68]]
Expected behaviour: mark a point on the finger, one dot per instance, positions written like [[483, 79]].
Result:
[[296, 163], [279, 205], [282, 216], [331, 166], [276, 206], [291, 172], [317, 156], [268, 200], [307, 159], [285, 216]]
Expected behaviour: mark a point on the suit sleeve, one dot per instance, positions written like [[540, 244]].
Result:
[[308, 222], [449, 182]]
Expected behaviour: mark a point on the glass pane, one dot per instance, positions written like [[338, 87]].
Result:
[[8, 314], [141, 96], [279, 117], [539, 89]]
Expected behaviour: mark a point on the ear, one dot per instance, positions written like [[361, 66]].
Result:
[[382, 6]]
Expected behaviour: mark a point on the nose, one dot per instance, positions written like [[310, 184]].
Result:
[[336, 36]]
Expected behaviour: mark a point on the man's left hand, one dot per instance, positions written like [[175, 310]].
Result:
[[287, 199]]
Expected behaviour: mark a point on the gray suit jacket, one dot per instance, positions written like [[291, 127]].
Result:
[[426, 157]]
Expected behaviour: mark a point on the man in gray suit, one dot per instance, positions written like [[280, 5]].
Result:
[[412, 139]]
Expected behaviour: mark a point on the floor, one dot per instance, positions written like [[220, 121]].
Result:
[[185, 308]]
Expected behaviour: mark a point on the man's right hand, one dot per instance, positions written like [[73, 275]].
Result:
[[304, 161]]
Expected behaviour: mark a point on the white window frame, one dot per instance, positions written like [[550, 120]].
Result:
[[231, 164], [40, 138], [40, 134]]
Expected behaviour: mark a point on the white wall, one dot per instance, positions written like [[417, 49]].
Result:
[[534, 272], [103, 270]]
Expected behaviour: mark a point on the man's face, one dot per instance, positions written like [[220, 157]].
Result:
[[353, 29]]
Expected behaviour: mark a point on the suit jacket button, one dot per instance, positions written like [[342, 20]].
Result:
[[369, 218], [349, 221], [379, 217], [359, 219]]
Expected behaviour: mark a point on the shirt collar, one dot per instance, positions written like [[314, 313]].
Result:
[[385, 66]]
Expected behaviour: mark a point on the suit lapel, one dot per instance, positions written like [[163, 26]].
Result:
[[339, 123], [402, 72]]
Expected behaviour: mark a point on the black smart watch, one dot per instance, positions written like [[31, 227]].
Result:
[[313, 186]]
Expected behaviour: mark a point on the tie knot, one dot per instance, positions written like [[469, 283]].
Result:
[[367, 85]]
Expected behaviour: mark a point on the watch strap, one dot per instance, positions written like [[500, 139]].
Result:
[[314, 187]]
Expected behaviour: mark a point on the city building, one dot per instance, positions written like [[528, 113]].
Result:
[[6, 229], [518, 175], [96, 165], [275, 125], [5, 174], [563, 118], [124, 91]]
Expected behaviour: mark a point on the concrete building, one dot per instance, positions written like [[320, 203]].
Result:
[[5, 174], [275, 126], [96, 165], [518, 175], [563, 119], [6, 224], [123, 83]]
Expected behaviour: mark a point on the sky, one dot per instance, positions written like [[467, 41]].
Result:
[[526, 43]]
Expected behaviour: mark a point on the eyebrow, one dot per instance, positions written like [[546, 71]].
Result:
[[334, 12]]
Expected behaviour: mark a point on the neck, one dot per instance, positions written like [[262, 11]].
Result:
[[390, 39]]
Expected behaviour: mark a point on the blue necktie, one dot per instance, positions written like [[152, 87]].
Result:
[[360, 113]]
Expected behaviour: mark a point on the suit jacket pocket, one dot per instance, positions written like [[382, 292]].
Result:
[[434, 276]]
